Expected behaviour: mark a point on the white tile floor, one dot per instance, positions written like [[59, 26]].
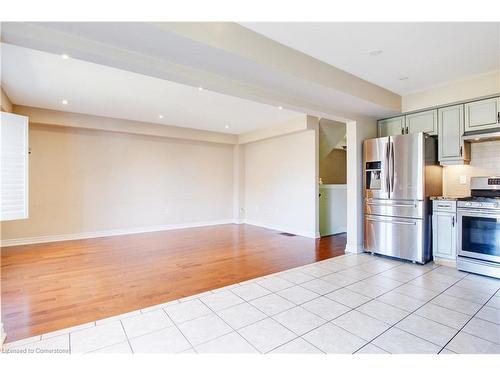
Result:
[[355, 303]]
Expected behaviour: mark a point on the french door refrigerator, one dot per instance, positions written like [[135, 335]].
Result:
[[400, 174]]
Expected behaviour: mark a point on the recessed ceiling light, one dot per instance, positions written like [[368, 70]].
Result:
[[200, 88], [64, 101], [280, 107], [227, 126], [403, 78], [375, 52], [160, 116], [64, 56]]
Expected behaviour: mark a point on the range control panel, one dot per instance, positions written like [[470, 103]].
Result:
[[494, 181]]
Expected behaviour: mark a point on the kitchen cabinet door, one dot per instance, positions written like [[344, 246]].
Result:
[[391, 126], [482, 115], [444, 235], [426, 122], [452, 149]]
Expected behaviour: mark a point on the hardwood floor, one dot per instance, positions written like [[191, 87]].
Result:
[[51, 286]]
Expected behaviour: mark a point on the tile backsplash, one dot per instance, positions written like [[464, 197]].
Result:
[[485, 161]]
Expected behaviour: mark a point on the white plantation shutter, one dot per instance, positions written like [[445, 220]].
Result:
[[13, 167]]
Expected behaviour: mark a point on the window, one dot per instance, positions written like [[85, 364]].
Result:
[[13, 167]]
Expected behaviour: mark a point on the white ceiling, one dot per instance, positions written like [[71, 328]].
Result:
[[41, 79], [429, 54], [210, 53]]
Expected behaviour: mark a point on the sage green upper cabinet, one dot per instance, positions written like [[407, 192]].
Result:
[[452, 150], [426, 122], [391, 126], [482, 115]]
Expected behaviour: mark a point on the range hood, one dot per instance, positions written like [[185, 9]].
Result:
[[481, 137]]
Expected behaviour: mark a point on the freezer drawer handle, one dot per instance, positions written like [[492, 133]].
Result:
[[414, 205], [392, 222]]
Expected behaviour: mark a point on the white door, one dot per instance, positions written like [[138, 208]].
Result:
[[14, 167], [444, 235], [482, 115]]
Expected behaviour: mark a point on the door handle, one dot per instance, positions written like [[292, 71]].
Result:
[[440, 205], [391, 221]]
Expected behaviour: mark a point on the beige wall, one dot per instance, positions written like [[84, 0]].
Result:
[[357, 132], [333, 167], [280, 183], [469, 88], [5, 103], [485, 161], [85, 181]]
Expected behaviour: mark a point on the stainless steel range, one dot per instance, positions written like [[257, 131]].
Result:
[[479, 228]]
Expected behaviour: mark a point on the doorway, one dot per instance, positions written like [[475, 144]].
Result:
[[332, 177]]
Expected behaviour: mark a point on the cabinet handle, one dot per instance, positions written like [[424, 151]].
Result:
[[498, 117], [460, 150], [453, 221]]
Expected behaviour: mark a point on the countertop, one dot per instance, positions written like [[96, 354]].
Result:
[[445, 198]]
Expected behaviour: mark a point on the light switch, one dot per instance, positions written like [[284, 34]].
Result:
[[463, 180]]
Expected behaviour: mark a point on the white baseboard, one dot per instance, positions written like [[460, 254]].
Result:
[[298, 232], [156, 228], [355, 249], [108, 233], [337, 230], [445, 262]]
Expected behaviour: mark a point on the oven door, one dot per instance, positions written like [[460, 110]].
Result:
[[479, 234]]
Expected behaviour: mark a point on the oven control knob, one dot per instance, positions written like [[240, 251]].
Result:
[[479, 205]]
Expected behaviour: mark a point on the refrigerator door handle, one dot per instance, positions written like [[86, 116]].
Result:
[[387, 183], [392, 167]]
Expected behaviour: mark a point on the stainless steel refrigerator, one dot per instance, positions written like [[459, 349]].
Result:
[[400, 174]]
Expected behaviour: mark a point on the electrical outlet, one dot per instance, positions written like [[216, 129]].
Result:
[[463, 180]]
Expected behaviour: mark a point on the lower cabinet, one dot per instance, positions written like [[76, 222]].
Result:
[[444, 230]]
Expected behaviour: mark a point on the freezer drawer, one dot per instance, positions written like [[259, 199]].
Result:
[[396, 237], [390, 207]]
